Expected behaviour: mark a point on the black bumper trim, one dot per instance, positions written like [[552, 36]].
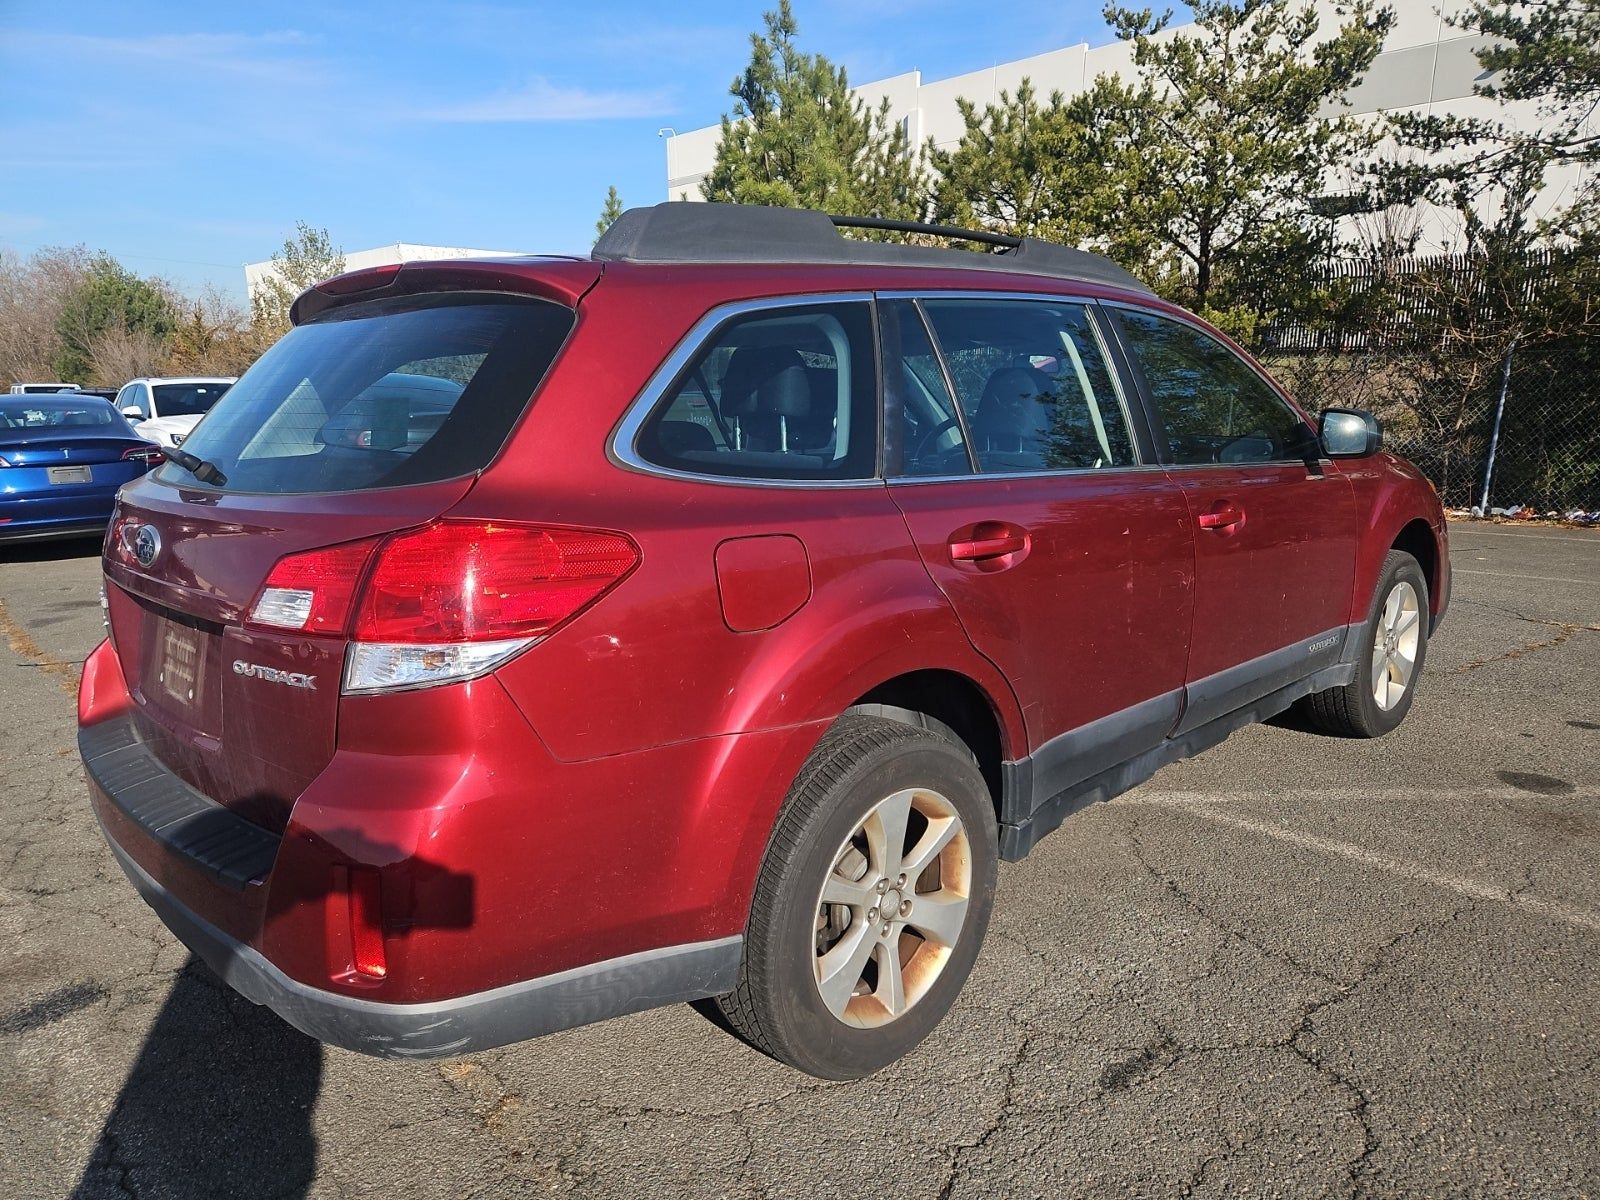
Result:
[[221, 843], [463, 1024]]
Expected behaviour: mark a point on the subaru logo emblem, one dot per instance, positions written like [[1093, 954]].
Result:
[[146, 545]]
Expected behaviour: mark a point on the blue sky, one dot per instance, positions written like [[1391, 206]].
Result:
[[187, 138]]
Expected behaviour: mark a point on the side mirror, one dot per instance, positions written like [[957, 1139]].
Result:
[[1350, 433], [133, 413]]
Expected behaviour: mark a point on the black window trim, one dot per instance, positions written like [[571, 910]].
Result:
[[623, 446], [1131, 402], [1113, 310]]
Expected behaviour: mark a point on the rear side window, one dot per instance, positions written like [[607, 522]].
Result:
[[381, 394], [785, 393], [1212, 407], [1034, 383], [933, 442]]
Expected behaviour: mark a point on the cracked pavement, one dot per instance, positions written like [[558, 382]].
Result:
[[1294, 966]]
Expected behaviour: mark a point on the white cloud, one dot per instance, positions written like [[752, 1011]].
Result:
[[274, 56], [541, 100]]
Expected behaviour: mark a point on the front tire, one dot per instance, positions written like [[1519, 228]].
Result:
[[1394, 645], [872, 901]]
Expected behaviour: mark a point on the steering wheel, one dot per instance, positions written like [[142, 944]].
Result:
[[924, 441]]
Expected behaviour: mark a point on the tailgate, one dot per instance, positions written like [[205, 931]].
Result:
[[248, 717]]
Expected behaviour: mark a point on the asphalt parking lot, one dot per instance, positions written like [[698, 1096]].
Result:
[[1295, 966]]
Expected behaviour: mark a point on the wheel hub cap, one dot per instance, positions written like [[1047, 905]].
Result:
[[884, 934], [1395, 645]]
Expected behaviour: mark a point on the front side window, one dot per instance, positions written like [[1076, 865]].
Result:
[[1034, 383], [1212, 407], [783, 393], [381, 393], [133, 397]]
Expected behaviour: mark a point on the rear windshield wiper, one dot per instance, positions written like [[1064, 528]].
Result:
[[202, 470]]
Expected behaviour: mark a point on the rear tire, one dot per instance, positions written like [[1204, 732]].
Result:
[[1394, 644], [846, 968]]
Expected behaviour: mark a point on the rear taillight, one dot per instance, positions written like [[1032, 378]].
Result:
[[312, 592], [119, 542], [459, 581], [148, 455], [457, 598], [445, 602]]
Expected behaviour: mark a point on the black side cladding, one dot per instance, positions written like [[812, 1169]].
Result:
[[682, 231], [221, 843]]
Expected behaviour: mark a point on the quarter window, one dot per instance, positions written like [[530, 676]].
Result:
[[1211, 405], [1034, 384], [784, 393]]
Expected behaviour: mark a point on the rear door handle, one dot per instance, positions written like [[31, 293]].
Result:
[[1222, 515], [986, 541]]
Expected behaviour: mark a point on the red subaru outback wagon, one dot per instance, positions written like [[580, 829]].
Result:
[[526, 642]]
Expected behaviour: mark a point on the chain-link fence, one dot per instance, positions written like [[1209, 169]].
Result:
[[1443, 370]]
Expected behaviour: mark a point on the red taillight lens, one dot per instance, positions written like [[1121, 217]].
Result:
[[149, 455], [312, 592], [465, 581]]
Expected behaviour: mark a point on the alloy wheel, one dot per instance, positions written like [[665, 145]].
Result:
[[892, 907], [1394, 647]]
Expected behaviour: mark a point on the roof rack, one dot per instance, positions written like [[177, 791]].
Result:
[[684, 231]]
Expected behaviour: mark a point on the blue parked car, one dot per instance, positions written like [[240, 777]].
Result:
[[62, 459]]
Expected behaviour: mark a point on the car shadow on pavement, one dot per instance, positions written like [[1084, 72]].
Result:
[[50, 550], [218, 1103]]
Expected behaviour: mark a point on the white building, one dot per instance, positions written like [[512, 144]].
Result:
[[380, 256], [1427, 66]]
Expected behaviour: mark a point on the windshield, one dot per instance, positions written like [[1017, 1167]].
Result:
[[381, 394], [38, 413], [187, 399]]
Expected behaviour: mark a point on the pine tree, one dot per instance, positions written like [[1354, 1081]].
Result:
[[609, 212], [1216, 150], [111, 300], [798, 138]]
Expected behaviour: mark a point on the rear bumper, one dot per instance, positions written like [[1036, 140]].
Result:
[[463, 1024]]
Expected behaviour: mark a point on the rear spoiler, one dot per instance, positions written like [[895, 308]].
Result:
[[562, 280]]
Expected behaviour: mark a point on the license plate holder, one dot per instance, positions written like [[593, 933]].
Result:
[[69, 474], [182, 665]]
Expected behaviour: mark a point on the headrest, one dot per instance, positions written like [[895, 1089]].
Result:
[[750, 368], [786, 394], [1015, 404]]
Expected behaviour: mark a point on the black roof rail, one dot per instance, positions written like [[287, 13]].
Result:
[[683, 231]]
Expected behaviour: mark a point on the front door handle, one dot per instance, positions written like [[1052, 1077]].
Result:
[[1222, 516], [987, 542]]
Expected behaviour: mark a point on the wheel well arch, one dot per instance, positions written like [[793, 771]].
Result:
[[954, 700], [1417, 539]]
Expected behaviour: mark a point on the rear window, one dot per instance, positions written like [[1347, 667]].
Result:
[[48, 414], [187, 399], [381, 394]]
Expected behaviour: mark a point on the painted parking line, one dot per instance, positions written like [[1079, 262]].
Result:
[[1212, 808], [1576, 535], [1525, 578]]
